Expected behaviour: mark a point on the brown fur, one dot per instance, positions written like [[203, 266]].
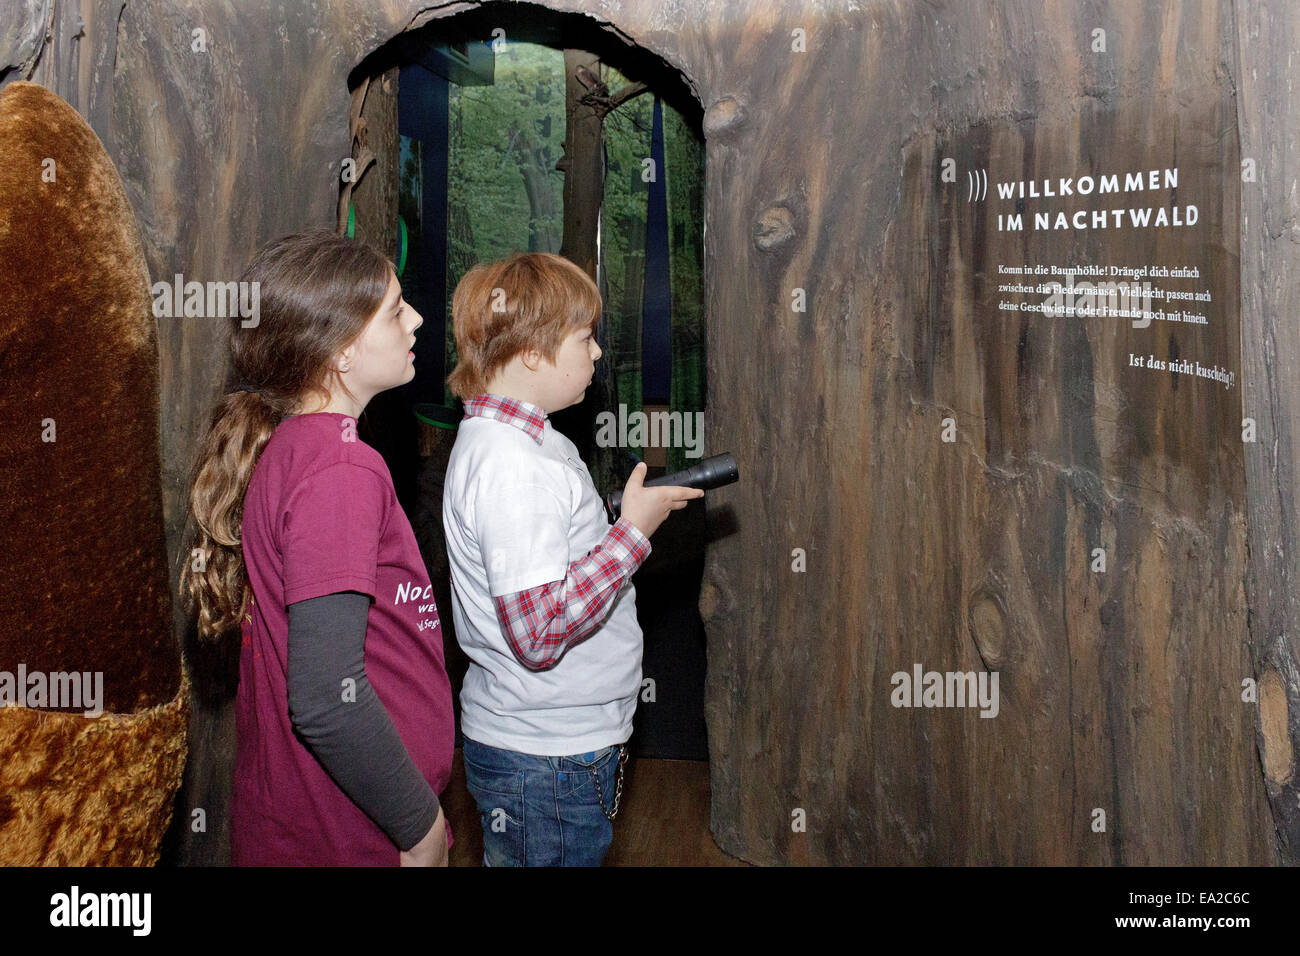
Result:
[[85, 583], [89, 791], [85, 586]]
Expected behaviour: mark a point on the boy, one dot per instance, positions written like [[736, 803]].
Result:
[[542, 598]]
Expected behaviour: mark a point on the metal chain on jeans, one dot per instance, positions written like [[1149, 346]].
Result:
[[618, 786]]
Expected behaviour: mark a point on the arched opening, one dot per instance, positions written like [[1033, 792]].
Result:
[[514, 127]]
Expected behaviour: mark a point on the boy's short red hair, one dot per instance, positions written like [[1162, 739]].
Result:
[[532, 300]]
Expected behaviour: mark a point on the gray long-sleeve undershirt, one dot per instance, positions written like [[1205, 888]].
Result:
[[355, 741]]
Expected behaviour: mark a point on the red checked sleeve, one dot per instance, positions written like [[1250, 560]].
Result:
[[541, 623]]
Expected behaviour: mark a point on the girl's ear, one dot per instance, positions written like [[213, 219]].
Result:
[[343, 361]]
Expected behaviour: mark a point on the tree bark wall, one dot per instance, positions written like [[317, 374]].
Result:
[[1121, 691], [1268, 34]]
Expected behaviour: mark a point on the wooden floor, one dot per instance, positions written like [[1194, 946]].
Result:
[[663, 820]]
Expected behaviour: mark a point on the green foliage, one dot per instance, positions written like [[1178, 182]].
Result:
[[627, 144], [491, 128]]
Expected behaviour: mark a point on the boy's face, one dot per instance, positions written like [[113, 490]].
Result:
[[564, 382]]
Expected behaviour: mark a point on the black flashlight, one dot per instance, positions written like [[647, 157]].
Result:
[[710, 473]]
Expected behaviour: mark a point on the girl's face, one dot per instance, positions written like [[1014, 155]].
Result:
[[380, 358]]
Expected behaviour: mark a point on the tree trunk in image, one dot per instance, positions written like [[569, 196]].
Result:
[[633, 287], [535, 167], [584, 174]]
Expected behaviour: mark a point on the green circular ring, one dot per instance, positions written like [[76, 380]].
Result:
[[401, 245]]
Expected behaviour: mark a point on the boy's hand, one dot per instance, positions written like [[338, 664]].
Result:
[[648, 507], [431, 850]]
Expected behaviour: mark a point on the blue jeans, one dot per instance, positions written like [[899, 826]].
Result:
[[541, 811]]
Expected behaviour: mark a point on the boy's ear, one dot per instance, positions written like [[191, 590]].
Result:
[[531, 358]]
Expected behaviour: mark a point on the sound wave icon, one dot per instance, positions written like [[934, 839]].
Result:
[[977, 186]]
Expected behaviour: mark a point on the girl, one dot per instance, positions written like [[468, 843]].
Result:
[[343, 713]]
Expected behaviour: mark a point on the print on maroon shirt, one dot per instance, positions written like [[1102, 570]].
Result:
[[321, 516]]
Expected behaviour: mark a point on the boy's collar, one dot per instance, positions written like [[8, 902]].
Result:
[[525, 416]]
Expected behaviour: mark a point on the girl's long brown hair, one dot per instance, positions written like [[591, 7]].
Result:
[[316, 292]]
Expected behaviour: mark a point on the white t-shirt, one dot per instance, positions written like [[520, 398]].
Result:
[[515, 515]]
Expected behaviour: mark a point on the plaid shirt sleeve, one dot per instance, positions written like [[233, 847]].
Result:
[[542, 623]]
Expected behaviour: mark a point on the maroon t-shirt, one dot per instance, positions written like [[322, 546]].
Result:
[[321, 516]]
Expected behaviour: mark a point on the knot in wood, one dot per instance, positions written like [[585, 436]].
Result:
[[774, 228], [723, 116]]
